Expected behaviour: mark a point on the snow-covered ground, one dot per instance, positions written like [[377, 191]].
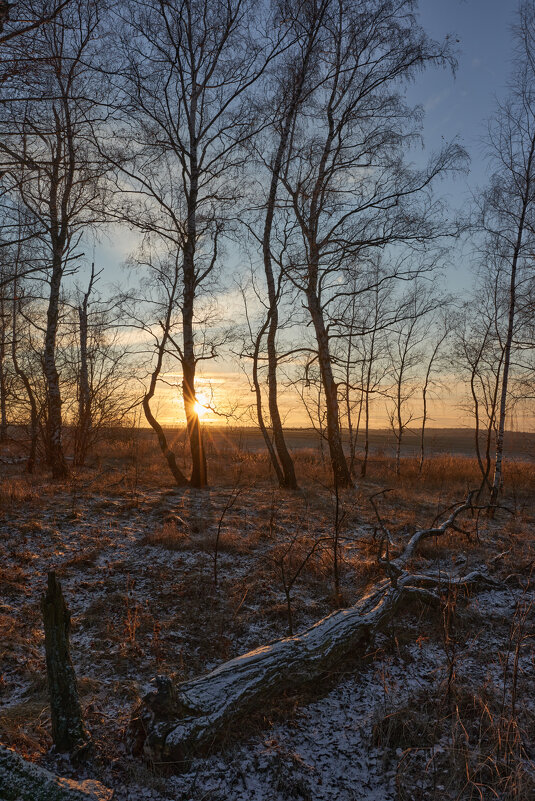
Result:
[[137, 571]]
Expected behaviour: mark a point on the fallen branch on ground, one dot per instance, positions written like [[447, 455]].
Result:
[[174, 723]]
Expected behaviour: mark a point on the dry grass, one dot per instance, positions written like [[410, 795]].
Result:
[[145, 600], [169, 536], [15, 492], [461, 737], [465, 749]]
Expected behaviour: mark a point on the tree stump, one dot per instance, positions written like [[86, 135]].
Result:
[[68, 730]]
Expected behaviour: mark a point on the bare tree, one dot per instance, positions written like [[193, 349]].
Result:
[[188, 71], [443, 330], [508, 207], [156, 316], [44, 131], [406, 352], [5, 325], [23, 17], [96, 370], [347, 187], [293, 81], [83, 429], [359, 326], [24, 377], [478, 354]]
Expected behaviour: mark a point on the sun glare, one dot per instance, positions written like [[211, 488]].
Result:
[[200, 410]]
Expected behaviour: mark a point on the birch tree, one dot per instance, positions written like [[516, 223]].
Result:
[[292, 81], [347, 185], [508, 207], [47, 117], [186, 80]]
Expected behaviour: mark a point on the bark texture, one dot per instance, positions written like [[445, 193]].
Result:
[[3, 377], [24, 781], [85, 412], [169, 456], [175, 723], [339, 465], [68, 730]]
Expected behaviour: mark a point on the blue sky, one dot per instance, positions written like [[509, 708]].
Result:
[[457, 107]]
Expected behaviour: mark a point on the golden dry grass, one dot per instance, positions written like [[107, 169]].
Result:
[[151, 605]]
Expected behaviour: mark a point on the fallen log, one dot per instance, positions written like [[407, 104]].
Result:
[[175, 723], [23, 781]]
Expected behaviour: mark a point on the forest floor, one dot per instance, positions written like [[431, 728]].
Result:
[[442, 706]]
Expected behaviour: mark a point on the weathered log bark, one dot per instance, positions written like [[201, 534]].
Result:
[[23, 781], [174, 723], [68, 730]]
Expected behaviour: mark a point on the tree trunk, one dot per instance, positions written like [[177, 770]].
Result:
[[83, 428], [334, 435], [498, 465], [286, 461], [68, 730], [198, 455], [477, 425], [54, 448], [199, 475], [371, 358], [169, 456], [25, 781], [399, 422], [425, 388], [34, 416], [295, 90], [286, 469], [260, 412], [3, 383]]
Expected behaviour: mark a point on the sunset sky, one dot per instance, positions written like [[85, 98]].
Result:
[[456, 107]]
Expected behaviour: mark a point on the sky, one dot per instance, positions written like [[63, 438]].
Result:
[[457, 107]]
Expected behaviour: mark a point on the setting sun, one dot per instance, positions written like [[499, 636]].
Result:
[[267, 400], [200, 410]]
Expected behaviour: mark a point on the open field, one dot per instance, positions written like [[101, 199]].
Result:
[[453, 441], [221, 440], [440, 706]]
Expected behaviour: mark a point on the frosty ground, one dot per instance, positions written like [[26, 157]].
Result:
[[441, 705]]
